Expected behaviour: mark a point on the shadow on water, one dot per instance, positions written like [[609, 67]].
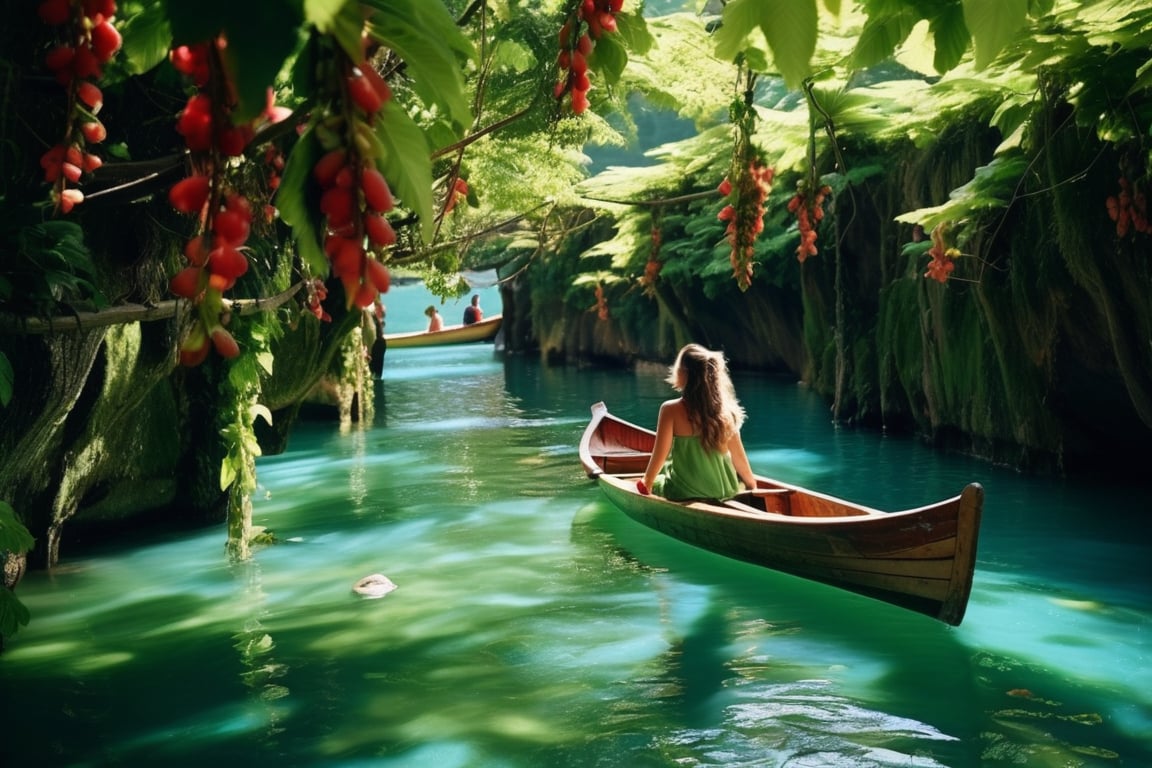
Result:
[[841, 679]]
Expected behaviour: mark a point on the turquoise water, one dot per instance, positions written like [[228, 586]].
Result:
[[534, 625]]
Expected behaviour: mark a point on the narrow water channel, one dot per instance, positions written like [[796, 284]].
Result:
[[535, 625]]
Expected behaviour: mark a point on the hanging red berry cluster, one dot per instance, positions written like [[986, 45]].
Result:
[[578, 36], [808, 207], [654, 265], [87, 40], [744, 213], [941, 265], [215, 254], [354, 195], [1129, 209], [459, 192]]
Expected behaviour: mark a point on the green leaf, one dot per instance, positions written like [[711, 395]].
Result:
[[7, 380], [407, 163], [789, 26], [13, 613], [634, 33], [426, 37], [147, 38], [993, 23], [609, 59], [292, 202], [880, 37], [228, 471], [340, 19], [14, 537], [951, 37]]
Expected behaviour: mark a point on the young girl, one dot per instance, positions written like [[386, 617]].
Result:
[[435, 322], [701, 431]]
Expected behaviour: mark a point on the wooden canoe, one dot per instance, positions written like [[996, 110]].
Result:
[[920, 559], [484, 330]]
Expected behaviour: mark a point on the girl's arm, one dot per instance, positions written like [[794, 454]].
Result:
[[664, 425], [740, 461]]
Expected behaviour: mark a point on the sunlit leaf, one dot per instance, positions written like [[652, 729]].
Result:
[[426, 37], [951, 37], [881, 35], [407, 164], [789, 26], [992, 24], [147, 38]]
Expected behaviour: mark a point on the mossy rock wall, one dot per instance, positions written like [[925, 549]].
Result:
[[1034, 354]]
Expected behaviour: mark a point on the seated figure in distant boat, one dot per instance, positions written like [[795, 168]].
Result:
[[472, 312], [435, 322], [698, 433]]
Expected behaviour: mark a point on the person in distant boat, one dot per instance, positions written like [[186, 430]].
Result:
[[435, 322], [472, 312], [698, 452], [379, 343]]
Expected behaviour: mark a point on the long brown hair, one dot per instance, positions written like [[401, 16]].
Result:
[[708, 395]]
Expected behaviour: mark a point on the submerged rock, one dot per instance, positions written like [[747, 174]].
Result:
[[375, 585]]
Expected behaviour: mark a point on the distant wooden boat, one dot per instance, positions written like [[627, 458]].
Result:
[[920, 559], [485, 330]]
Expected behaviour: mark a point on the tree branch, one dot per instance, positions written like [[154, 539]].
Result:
[[132, 313]]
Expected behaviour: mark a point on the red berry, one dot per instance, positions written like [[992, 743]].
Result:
[[55, 12], [379, 84], [231, 227], [196, 252], [189, 195], [226, 346], [378, 275], [376, 192], [60, 58], [227, 262], [90, 94], [379, 231], [328, 166], [105, 41], [187, 282], [336, 203], [70, 198], [362, 93], [94, 132]]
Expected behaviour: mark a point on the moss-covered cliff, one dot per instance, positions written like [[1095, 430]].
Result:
[[1036, 353]]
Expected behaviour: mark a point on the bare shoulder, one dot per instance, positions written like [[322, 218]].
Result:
[[676, 414]]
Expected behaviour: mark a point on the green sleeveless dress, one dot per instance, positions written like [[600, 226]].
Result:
[[694, 472]]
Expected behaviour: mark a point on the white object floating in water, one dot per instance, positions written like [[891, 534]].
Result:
[[376, 585]]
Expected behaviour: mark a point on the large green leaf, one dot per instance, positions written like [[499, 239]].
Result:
[[993, 23], [407, 163], [880, 36], [609, 59], [147, 36], [261, 37], [424, 35], [951, 37], [14, 537], [992, 187], [292, 202], [341, 19], [13, 613], [789, 26]]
